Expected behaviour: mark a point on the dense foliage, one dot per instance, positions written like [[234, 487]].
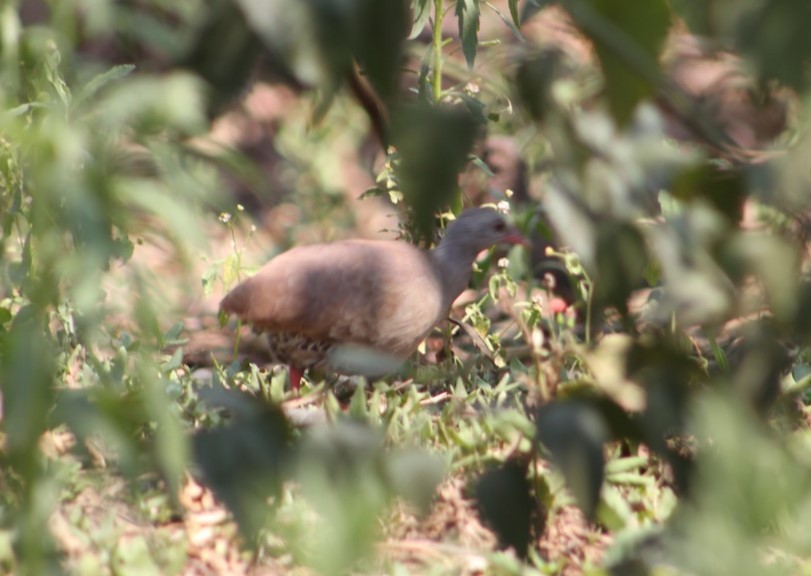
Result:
[[670, 397]]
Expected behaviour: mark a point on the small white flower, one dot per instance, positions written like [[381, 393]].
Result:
[[503, 263], [225, 217], [253, 228], [504, 207], [508, 193], [472, 88], [240, 208]]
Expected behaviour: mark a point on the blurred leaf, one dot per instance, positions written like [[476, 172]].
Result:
[[696, 15], [434, 144], [669, 376], [574, 432], [621, 262], [607, 361], [151, 103], [633, 552], [349, 476], [741, 503], [775, 39], [621, 423], [467, 12], [245, 462], [800, 326], [152, 198], [534, 78], [227, 64], [170, 446], [505, 502], [117, 418], [776, 264], [311, 39], [758, 361], [415, 475], [361, 360], [572, 220], [27, 374], [131, 557], [628, 37], [532, 7], [723, 190], [379, 45]]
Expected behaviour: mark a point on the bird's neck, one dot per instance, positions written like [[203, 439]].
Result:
[[454, 261]]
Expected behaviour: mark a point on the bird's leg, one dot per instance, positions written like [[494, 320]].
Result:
[[295, 375]]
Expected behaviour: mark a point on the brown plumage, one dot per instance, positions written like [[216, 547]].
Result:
[[381, 295]]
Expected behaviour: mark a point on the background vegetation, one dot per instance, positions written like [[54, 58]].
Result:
[[647, 414]]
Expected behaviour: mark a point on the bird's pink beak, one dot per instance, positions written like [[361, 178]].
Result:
[[515, 237]]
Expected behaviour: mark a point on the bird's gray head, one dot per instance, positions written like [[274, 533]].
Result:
[[479, 228], [473, 231]]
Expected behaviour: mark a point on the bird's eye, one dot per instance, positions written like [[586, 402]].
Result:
[[500, 227]]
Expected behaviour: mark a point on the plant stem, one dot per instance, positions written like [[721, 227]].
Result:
[[439, 14]]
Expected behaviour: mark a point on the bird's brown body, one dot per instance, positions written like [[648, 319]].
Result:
[[381, 295]]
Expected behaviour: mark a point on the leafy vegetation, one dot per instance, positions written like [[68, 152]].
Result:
[[630, 396]]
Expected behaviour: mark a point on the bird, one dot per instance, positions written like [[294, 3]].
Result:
[[384, 296]]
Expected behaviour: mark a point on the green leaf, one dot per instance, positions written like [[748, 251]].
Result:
[[628, 37], [774, 37], [23, 109], [750, 492], [246, 462], [312, 41], [759, 361], [724, 190], [378, 45], [174, 361], [574, 432], [348, 477], [434, 145], [505, 502], [131, 557], [467, 12], [422, 12], [775, 262], [228, 64], [170, 447], [104, 413], [482, 165], [621, 263], [514, 28], [534, 77], [172, 336], [514, 13], [27, 380], [415, 474], [100, 81]]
